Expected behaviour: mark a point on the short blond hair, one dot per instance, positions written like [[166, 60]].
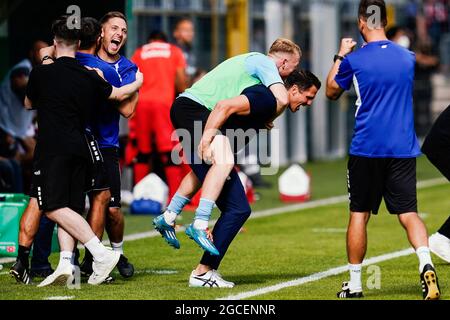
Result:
[[285, 45]]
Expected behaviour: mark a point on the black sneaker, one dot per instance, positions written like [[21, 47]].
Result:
[[430, 285], [41, 273], [345, 293], [125, 268], [109, 280], [20, 272], [86, 268]]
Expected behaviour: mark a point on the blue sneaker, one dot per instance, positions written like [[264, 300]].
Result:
[[167, 231], [201, 238]]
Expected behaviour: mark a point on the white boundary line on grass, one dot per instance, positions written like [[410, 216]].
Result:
[[316, 276], [254, 215], [7, 260], [60, 298], [268, 212], [287, 209], [337, 270]]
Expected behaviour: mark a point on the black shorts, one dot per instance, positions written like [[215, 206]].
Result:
[[59, 182], [371, 179], [437, 143], [112, 170], [189, 119], [97, 179], [191, 116]]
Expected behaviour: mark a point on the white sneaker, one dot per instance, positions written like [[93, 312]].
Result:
[[211, 279], [102, 269], [61, 276], [440, 246]]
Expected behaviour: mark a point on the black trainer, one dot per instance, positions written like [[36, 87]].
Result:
[[345, 293], [20, 272], [125, 268], [430, 284], [41, 273]]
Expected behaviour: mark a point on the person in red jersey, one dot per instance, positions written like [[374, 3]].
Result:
[[163, 65]]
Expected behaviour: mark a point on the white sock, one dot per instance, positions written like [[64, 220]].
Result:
[[65, 259], [200, 224], [96, 248], [355, 283], [424, 257], [117, 246], [170, 217]]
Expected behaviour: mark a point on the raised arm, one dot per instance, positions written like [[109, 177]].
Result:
[[334, 91]]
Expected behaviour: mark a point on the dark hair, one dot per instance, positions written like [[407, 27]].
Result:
[[157, 35], [392, 31], [365, 13], [62, 32], [113, 14], [90, 32], [303, 79]]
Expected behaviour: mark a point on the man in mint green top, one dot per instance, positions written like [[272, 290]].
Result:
[[237, 78], [232, 76], [246, 70]]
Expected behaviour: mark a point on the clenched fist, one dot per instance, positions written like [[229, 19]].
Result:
[[347, 45]]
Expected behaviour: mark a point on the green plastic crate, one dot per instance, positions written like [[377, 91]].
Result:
[[14, 197], [12, 207]]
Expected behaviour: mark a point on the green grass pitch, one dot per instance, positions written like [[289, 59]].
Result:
[[272, 250]]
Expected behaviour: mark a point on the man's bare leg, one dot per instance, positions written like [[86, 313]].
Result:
[[222, 164], [29, 226], [356, 248], [29, 223], [97, 213], [64, 273], [115, 225], [77, 227], [212, 186], [96, 219], [417, 236]]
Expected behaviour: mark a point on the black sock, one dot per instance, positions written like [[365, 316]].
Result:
[[445, 229], [87, 255], [23, 255]]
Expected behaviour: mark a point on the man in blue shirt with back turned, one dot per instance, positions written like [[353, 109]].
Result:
[[384, 147]]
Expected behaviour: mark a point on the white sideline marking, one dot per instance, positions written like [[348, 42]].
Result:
[[7, 260], [276, 211], [424, 215], [60, 298], [4, 273], [431, 182], [317, 276], [149, 271]]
